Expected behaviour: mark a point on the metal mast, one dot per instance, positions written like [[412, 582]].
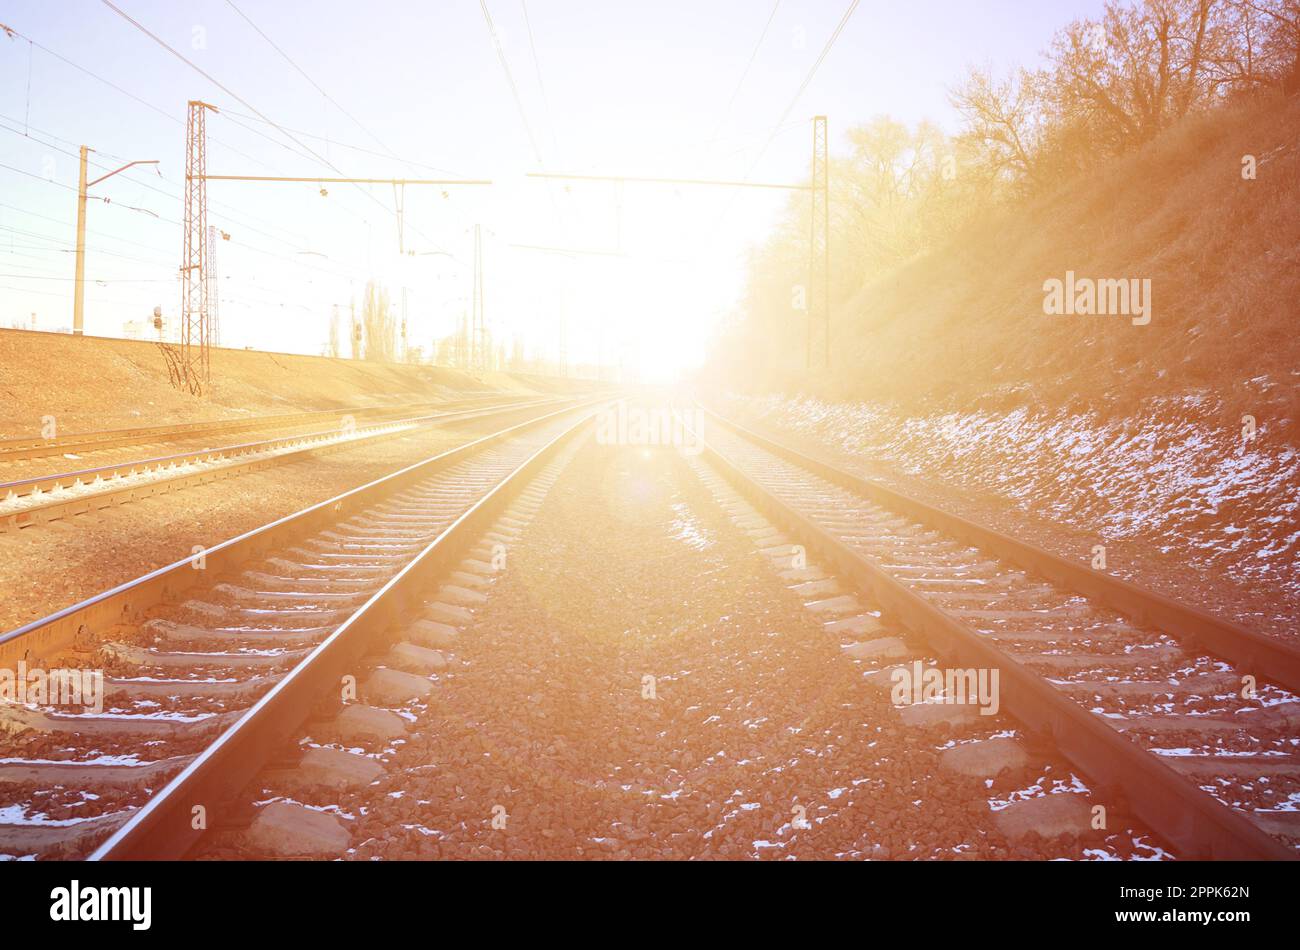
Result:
[[189, 362]]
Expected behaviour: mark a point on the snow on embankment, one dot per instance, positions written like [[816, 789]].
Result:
[[1182, 503]]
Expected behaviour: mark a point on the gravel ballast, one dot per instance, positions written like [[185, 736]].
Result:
[[637, 684]]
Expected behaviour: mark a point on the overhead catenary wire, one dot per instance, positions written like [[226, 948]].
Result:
[[68, 296], [537, 68], [519, 103], [803, 86], [126, 92], [302, 72], [510, 81], [172, 195], [222, 86], [387, 151], [58, 247], [233, 114], [794, 101], [248, 105], [726, 113], [90, 280], [172, 118], [94, 231], [243, 243]]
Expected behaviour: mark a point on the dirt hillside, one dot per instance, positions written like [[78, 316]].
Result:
[[965, 324], [98, 383]]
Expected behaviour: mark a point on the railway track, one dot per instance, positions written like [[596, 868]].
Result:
[[210, 663], [1190, 722], [35, 501], [25, 448]]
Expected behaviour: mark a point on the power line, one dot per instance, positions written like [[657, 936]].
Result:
[[225, 112], [91, 280], [60, 221], [68, 250], [130, 95], [669, 181], [510, 80], [830, 42], [519, 103], [220, 85], [77, 155], [228, 113], [227, 215], [28, 129], [48, 181], [848, 13], [242, 244], [153, 188], [51, 293], [537, 68], [246, 104], [302, 72], [30, 57], [156, 262], [146, 185], [361, 181]]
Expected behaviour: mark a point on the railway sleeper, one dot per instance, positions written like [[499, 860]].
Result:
[[158, 659], [14, 719], [169, 631]]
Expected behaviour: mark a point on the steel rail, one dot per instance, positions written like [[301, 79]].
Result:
[[1164, 799], [254, 454], [54, 481], [163, 829], [22, 448], [1269, 658], [126, 603]]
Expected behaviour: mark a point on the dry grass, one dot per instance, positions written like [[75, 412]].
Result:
[[96, 383], [966, 323]]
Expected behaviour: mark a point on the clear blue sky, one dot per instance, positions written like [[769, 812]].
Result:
[[630, 87]]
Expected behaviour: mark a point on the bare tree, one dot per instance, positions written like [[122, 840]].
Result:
[[1280, 43], [354, 331], [379, 323], [1114, 83], [1141, 68], [1005, 118]]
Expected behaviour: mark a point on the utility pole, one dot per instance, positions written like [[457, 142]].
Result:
[[83, 186], [79, 301]]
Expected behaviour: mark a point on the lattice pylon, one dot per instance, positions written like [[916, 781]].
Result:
[[193, 359]]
